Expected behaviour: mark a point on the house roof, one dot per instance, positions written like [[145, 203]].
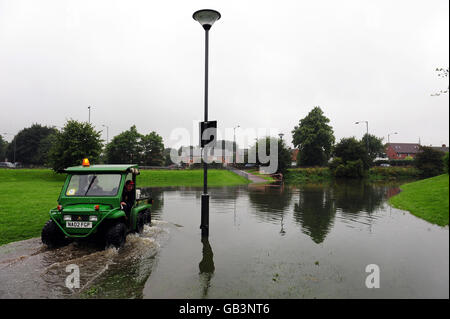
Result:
[[408, 148]]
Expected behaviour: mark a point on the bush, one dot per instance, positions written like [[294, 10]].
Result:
[[445, 160], [352, 169], [401, 162], [213, 165], [307, 174], [335, 163], [429, 162], [393, 172]]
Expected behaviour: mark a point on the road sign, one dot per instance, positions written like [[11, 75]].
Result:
[[208, 133]]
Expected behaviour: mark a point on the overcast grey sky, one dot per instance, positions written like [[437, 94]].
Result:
[[271, 61]]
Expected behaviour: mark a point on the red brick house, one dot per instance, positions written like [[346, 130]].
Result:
[[294, 153], [401, 150]]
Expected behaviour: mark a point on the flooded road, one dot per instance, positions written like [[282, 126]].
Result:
[[266, 241], [30, 270]]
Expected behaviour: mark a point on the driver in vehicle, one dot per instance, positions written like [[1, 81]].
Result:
[[128, 198], [96, 188]]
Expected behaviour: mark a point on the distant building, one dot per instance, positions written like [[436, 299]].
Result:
[[401, 150], [294, 154], [192, 155]]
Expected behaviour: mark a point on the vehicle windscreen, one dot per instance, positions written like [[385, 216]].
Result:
[[93, 185]]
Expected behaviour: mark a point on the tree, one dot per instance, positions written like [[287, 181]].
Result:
[[45, 145], [76, 141], [349, 160], [314, 138], [376, 147], [349, 149], [429, 161], [153, 150], [445, 159], [284, 157], [3, 148], [443, 73], [125, 148], [283, 153], [167, 159], [26, 144]]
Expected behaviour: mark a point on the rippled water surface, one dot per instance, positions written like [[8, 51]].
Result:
[[266, 241]]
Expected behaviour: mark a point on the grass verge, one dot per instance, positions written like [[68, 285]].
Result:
[[188, 177], [427, 199]]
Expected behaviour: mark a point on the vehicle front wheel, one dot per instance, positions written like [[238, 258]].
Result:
[[140, 222], [52, 236], [148, 217], [116, 235]]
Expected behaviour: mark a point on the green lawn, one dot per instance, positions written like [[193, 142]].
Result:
[[188, 177], [427, 199], [26, 195]]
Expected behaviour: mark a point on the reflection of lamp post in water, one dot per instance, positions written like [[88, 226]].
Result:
[[206, 265], [282, 231]]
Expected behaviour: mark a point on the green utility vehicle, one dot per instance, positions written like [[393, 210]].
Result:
[[90, 206]]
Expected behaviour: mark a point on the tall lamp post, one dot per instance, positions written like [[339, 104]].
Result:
[[206, 18], [390, 135], [367, 139], [234, 144], [89, 119]]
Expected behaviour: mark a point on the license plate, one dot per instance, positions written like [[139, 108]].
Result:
[[79, 224]]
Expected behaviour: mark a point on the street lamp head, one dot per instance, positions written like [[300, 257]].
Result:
[[206, 17]]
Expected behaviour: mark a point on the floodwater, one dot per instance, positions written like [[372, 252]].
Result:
[[266, 241]]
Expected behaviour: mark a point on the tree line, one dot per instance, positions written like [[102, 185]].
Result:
[[350, 157], [313, 136], [46, 146]]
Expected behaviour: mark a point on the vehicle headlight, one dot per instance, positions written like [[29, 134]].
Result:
[[93, 218], [67, 217]]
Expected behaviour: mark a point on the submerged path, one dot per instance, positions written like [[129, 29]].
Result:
[[250, 177]]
